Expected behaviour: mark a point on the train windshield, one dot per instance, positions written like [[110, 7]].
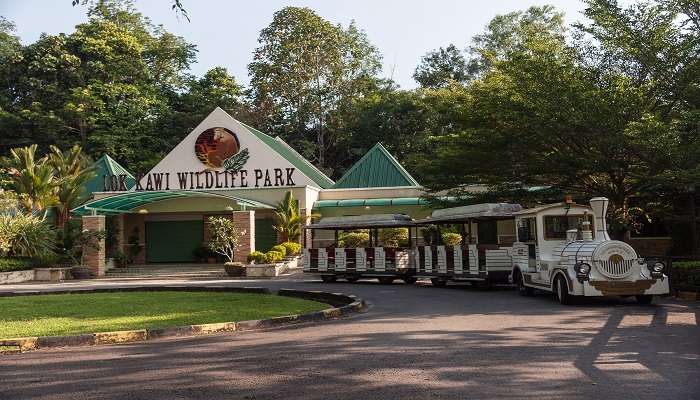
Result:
[[555, 226]]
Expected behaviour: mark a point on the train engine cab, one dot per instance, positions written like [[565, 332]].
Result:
[[565, 248]]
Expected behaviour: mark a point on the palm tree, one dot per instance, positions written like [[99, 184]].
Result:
[[288, 218], [31, 179], [72, 170]]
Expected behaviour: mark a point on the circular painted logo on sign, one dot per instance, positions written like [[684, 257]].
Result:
[[216, 145]]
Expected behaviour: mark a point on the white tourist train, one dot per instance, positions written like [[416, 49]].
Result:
[[562, 248]]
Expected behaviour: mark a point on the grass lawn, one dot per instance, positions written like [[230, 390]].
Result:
[[70, 314]]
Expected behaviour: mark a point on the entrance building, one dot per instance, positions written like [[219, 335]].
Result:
[[227, 168]]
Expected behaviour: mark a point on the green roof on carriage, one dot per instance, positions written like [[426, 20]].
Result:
[[106, 165], [377, 168], [291, 155]]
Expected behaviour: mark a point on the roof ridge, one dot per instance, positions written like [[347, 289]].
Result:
[[114, 165], [325, 180], [378, 148], [397, 164]]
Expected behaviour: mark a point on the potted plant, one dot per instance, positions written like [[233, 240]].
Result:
[[86, 239], [225, 239]]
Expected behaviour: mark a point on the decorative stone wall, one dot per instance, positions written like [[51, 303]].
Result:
[[95, 258], [245, 222]]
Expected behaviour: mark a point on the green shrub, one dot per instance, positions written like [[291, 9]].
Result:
[[292, 248], [257, 257], [280, 249], [686, 264], [451, 238], [394, 237], [273, 256], [353, 239], [47, 260], [26, 235], [15, 264]]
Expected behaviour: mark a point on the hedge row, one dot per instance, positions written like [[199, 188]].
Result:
[[15, 264]]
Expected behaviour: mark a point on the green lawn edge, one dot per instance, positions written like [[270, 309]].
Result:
[[73, 314]]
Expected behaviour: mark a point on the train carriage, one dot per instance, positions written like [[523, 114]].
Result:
[[483, 256], [330, 261]]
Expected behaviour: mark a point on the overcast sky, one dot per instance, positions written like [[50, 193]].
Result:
[[226, 32]]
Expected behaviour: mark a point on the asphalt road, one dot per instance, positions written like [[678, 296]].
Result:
[[415, 342]]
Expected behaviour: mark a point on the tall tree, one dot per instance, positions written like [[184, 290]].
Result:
[[114, 78], [304, 72], [561, 115], [512, 33], [440, 67]]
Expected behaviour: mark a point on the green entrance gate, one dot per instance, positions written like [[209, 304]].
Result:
[[173, 241]]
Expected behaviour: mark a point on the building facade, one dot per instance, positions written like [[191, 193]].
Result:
[[227, 168]]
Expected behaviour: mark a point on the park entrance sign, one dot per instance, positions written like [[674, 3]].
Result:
[[222, 153]]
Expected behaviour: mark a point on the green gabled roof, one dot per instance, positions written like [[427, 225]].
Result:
[[377, 168], [286, 151], [107, 166]]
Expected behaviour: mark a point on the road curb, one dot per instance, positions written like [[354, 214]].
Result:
[[343, 304]]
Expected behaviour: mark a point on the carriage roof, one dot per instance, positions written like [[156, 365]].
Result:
[[537, 210], [474, 211], [363, 222]]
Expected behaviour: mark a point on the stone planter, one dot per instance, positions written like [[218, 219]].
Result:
[[16, 276], [264, 270], [81, 272], [235, 269]]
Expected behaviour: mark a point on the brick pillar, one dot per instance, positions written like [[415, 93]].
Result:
[[305, 220], [245, 222], [95, 258]]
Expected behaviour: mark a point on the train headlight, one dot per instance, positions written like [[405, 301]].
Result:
[[582, 271], [658, 267]]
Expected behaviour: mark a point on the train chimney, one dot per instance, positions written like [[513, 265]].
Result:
[[571, 235], [600, 208]]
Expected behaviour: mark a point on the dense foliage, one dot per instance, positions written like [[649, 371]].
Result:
[[26, 235], [394, 237], [15, 264]]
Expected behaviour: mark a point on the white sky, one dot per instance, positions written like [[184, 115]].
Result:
[[226, 32]]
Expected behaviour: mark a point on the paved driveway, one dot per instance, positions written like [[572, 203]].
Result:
[[415, 342]]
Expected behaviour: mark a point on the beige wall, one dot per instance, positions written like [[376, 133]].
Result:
[[370, 193]]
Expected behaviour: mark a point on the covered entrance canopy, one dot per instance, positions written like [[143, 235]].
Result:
[[130, 201]]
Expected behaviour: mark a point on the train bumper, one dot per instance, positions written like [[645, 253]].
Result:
[[626, 288]]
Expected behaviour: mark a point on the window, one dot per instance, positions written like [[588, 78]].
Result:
[[487, 232], [527, 230], [555, 226]]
